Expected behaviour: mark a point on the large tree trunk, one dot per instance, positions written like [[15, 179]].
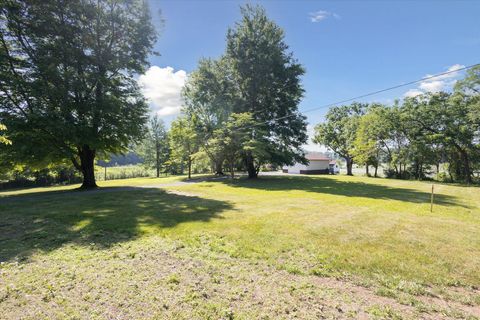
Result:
[[466, 171], [157, 160], [349, 166], [366, 170], [219, 167], [466, 168], [232, 169], [252, 171], [376, 170], [87, 158], [189, 168]]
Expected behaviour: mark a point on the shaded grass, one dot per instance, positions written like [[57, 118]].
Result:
[[100, 218]]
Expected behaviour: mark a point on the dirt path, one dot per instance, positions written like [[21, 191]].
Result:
[[161, 279]]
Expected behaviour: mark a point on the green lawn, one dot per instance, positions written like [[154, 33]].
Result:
[[277, 247]]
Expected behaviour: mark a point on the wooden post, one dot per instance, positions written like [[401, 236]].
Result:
[[431, 201]]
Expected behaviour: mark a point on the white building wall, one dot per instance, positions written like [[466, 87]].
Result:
[[318, 164], [312, 165], [296, 168]]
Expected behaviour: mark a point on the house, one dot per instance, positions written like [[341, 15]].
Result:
[[317, 164]]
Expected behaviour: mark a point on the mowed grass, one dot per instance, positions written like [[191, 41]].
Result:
[[374, 233]]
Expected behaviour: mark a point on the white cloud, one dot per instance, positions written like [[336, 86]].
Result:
[[320, 15], [440, 83], [162, 87], [432, 86], [413, 93]]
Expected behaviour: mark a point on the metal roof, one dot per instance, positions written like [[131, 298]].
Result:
[[317, 156]]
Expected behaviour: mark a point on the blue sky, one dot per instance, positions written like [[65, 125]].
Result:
[[347, 47]]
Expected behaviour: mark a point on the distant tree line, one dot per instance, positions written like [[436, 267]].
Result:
[[113, 160], [414, 136]]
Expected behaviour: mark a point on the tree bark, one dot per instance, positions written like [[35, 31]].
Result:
[[157, 159], [189, 168], [219, 167], [252, 171], [232, 171], [376, 169], [467, 171], [366, 169], [466, 168], [349, 166], [87, 158]]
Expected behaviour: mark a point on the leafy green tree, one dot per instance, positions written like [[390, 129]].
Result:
[[266, 79], [66, 77], [367, 145], [397, 143], [209, 100], [234, 140], [444, 118], [154, 149], [183, 142], [468, 90], [384, 134], [339, 131]]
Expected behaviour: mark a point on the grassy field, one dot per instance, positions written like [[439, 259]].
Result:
[[275, 248], [123, 172]]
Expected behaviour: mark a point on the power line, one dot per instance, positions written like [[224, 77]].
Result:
[[382, 90], [368, 94]]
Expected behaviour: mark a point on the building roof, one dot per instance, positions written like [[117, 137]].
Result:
[[316, 156]]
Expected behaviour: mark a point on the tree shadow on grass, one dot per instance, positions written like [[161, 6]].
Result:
[[48, 220], [331, 186]]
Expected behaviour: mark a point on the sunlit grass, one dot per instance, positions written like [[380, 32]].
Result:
[[375, 232]]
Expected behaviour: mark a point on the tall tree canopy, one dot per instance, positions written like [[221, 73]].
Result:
[[266, 79], [66, 78], [209, 97], [444, 118], [468, 90]]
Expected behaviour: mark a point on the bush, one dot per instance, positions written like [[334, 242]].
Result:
[[26, 177], [392, 174]]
